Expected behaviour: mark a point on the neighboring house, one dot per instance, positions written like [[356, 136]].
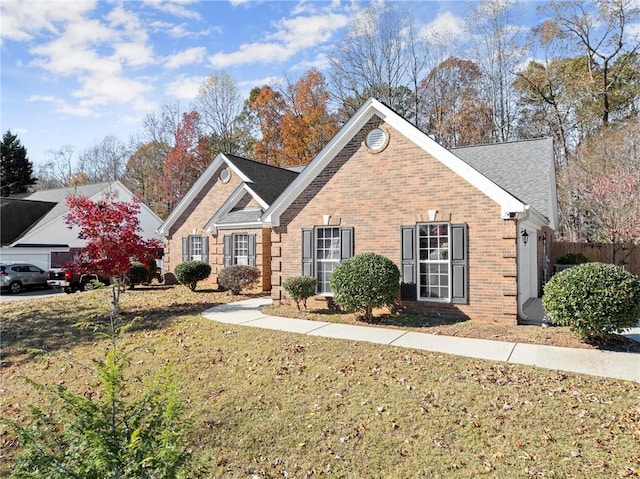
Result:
[[467, 228], [34, 230], [218, 220]]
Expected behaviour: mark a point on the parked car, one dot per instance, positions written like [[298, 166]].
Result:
[[16, 277], [71, 282]]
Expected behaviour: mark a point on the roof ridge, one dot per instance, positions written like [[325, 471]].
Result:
[[498, 143]]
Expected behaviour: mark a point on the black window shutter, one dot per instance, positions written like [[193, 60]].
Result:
[[252, 250], [408, 287], [307, 251], [459, 251], [226, 250], [185, 248], [205, 249], [346, 243]]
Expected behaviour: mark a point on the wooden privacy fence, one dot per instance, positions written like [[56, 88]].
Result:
[[595, 252]]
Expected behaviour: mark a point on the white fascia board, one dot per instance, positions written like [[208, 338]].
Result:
[[237, 226], [60, 218], [553, 206], [180, 208], [507, 202], [226, 207], [313, 169]]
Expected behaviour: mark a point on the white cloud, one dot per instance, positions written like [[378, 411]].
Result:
[[174, 7], [445, 25], [251, 53], [186, 57], [184, 88], [292, 35], [62, 106], [21, 19], [304, 32], [97, 53]]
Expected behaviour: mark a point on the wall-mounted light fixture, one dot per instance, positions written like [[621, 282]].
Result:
[[543, 238], [525, 237]]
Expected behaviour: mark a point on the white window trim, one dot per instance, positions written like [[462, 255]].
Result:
[[328, 294], [420, 262]]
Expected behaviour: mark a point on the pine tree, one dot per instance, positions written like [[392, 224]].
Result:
[[16, 171]]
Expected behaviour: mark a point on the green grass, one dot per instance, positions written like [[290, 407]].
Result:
[[272, 404]]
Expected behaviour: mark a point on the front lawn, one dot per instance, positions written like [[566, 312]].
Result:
[[271, 404]]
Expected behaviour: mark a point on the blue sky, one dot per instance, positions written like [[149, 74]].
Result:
[[74, 72]]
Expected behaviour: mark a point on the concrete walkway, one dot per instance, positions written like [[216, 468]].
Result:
[[586, 361]]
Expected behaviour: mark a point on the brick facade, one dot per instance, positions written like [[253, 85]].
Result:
[[377, 193], [207, 202]]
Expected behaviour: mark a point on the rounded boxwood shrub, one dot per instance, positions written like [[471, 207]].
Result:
[[300, 288], [190, 272], [235, 278], [594, 299], [137, 274], [364, 282]]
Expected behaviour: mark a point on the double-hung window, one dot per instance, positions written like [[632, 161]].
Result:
[[195, 248], [239, 248], [324, 248], [434, 262]]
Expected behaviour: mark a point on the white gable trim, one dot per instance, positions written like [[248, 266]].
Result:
[[116, 188], [182, 205], [229, 204], [200, 183], [508, 203]]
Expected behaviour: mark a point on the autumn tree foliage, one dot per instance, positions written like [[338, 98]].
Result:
[[111, 230], [295, 123], [455, 111], [186, 160], [144, 177]]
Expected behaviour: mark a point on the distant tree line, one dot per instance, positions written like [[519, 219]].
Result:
[[575, 77]]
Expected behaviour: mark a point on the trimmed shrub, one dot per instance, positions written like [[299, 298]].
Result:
[[190, 272], [300, 288], [237, 277], [138, 273], [364, 282], [573, 258], [595, 300]]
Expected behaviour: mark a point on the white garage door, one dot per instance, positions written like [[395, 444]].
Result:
[[41, 260]]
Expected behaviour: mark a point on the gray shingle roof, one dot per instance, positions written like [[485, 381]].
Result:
[[267, 181], [18, 216], [59, 195], [522, 168]]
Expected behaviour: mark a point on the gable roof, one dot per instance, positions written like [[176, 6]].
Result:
[[511, 205], [57, 197], [524, 168], [18, 216], [263, 182], [267, 181]]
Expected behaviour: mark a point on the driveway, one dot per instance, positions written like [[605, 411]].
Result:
[[30, 294]]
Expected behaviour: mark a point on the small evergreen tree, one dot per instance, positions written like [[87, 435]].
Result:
[[110, 435], [16, 171]]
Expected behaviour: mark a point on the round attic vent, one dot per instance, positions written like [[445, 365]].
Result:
[[225, 175], [377, 140]]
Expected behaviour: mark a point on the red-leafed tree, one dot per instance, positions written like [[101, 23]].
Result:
[[111, 230], [186, 160]]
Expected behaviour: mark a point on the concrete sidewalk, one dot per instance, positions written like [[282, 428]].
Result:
[[586, 361]]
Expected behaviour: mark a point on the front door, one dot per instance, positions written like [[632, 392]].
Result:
[[527, 266]]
